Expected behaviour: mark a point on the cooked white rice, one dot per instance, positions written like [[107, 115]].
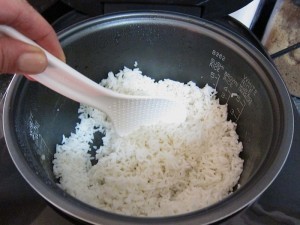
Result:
[[158, 170]]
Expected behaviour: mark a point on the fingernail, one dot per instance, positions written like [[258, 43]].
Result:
[[62, 57], [32, 62]]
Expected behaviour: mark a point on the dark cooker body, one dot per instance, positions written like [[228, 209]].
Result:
[[203, 8], [165, 46]]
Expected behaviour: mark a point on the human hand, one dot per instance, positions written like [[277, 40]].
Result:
[[18, 57]]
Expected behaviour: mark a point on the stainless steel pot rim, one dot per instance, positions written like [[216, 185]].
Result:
[[225, 208]]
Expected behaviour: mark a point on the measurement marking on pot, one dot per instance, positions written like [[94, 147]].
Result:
[[241, 108], [230, 80], [226, 93], [218, 55], [246, 88], [241, 92], [238, 110], [216, 77], [216, 65], [236, 115]]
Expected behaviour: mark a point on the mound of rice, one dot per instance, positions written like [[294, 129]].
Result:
[[158, 170]]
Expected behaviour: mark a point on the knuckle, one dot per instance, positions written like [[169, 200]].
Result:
[[6, 61]]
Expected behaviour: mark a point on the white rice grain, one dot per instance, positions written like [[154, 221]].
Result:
[[158, 170]]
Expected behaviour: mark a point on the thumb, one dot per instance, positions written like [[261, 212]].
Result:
[[18, 57]]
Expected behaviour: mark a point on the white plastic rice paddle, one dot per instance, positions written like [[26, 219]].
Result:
[[127, 112]]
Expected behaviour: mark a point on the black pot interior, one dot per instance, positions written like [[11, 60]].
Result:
[[164, 47]]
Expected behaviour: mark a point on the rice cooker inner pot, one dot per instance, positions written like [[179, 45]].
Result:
[[165, 46]]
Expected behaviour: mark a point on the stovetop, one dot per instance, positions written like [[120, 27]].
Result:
[[21, 205]]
